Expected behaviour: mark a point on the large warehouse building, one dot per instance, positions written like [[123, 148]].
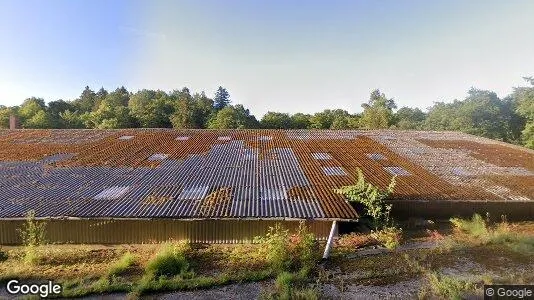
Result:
[[144, 185]]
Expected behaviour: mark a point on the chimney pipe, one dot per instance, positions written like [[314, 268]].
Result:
[[14, 122]]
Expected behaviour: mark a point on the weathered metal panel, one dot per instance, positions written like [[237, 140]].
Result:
[[117, 231]]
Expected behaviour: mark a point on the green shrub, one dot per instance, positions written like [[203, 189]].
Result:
[[284, 283], [475, 227], [389, 237], [305, 248], [33, 234], [285, 252], [122, 265], [3, 255], [477, 232], [170, 261], [275, 247], [449, 287], [372, 198]]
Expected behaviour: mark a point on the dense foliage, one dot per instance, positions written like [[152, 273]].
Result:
[[482, 113]]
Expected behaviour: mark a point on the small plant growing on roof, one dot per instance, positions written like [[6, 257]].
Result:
[[372, 198], [33, 234]]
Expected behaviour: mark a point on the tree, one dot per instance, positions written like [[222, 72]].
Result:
[[232, 117], [100, 95], [204, 109], [40, 120], [482, 113], [409, 118], [5, 113], [151, 109], [33, 114], [340, 122], [86, 101], [113, 112], [524, 97], [275, 120], [55, 109], [300, 121], [184, 115], [378, 111], [221, 99], [324, 119], [71, 119]]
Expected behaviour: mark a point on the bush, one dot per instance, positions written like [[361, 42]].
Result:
[[33, 234], [122, 265], [449, 287], [476, 227], [3, 255], [305, 248], [390, 237], [284, 283], [372, 198], [355, 240], [275, 247], [285, 252], [170, 261], [477, 232]]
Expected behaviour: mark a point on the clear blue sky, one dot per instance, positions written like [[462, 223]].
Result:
[[271, 55]]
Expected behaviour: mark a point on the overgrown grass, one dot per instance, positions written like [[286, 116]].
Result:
[[446, 287], [170, 261], [173, 266], [122, 265], [477, 231], [291, 286]]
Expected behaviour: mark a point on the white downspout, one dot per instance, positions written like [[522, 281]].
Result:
[[330, 242]]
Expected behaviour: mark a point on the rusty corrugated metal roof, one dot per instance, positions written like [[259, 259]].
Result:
[[245, 173]]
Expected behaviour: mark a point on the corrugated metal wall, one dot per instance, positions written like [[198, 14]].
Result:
[[158, 230]]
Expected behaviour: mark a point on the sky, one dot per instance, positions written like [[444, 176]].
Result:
[[278, 55]]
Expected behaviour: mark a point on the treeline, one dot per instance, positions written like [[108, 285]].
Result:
[[482, 113]]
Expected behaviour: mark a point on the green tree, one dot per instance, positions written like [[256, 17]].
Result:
[[86, 101], [409, 118], [221, 99], [482, 113], [325, 119], [185, 114], [233, 116], [300, 121], [71, 119], [524, 97], [5, 113], [55, 109], [340, 122], [100, 95], [378, 111], [40, 120], [276, 120], [113, 112], [152, 109], [33, 114], [204, 109]]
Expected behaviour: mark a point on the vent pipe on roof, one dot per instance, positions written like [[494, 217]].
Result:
[[14, 122]]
